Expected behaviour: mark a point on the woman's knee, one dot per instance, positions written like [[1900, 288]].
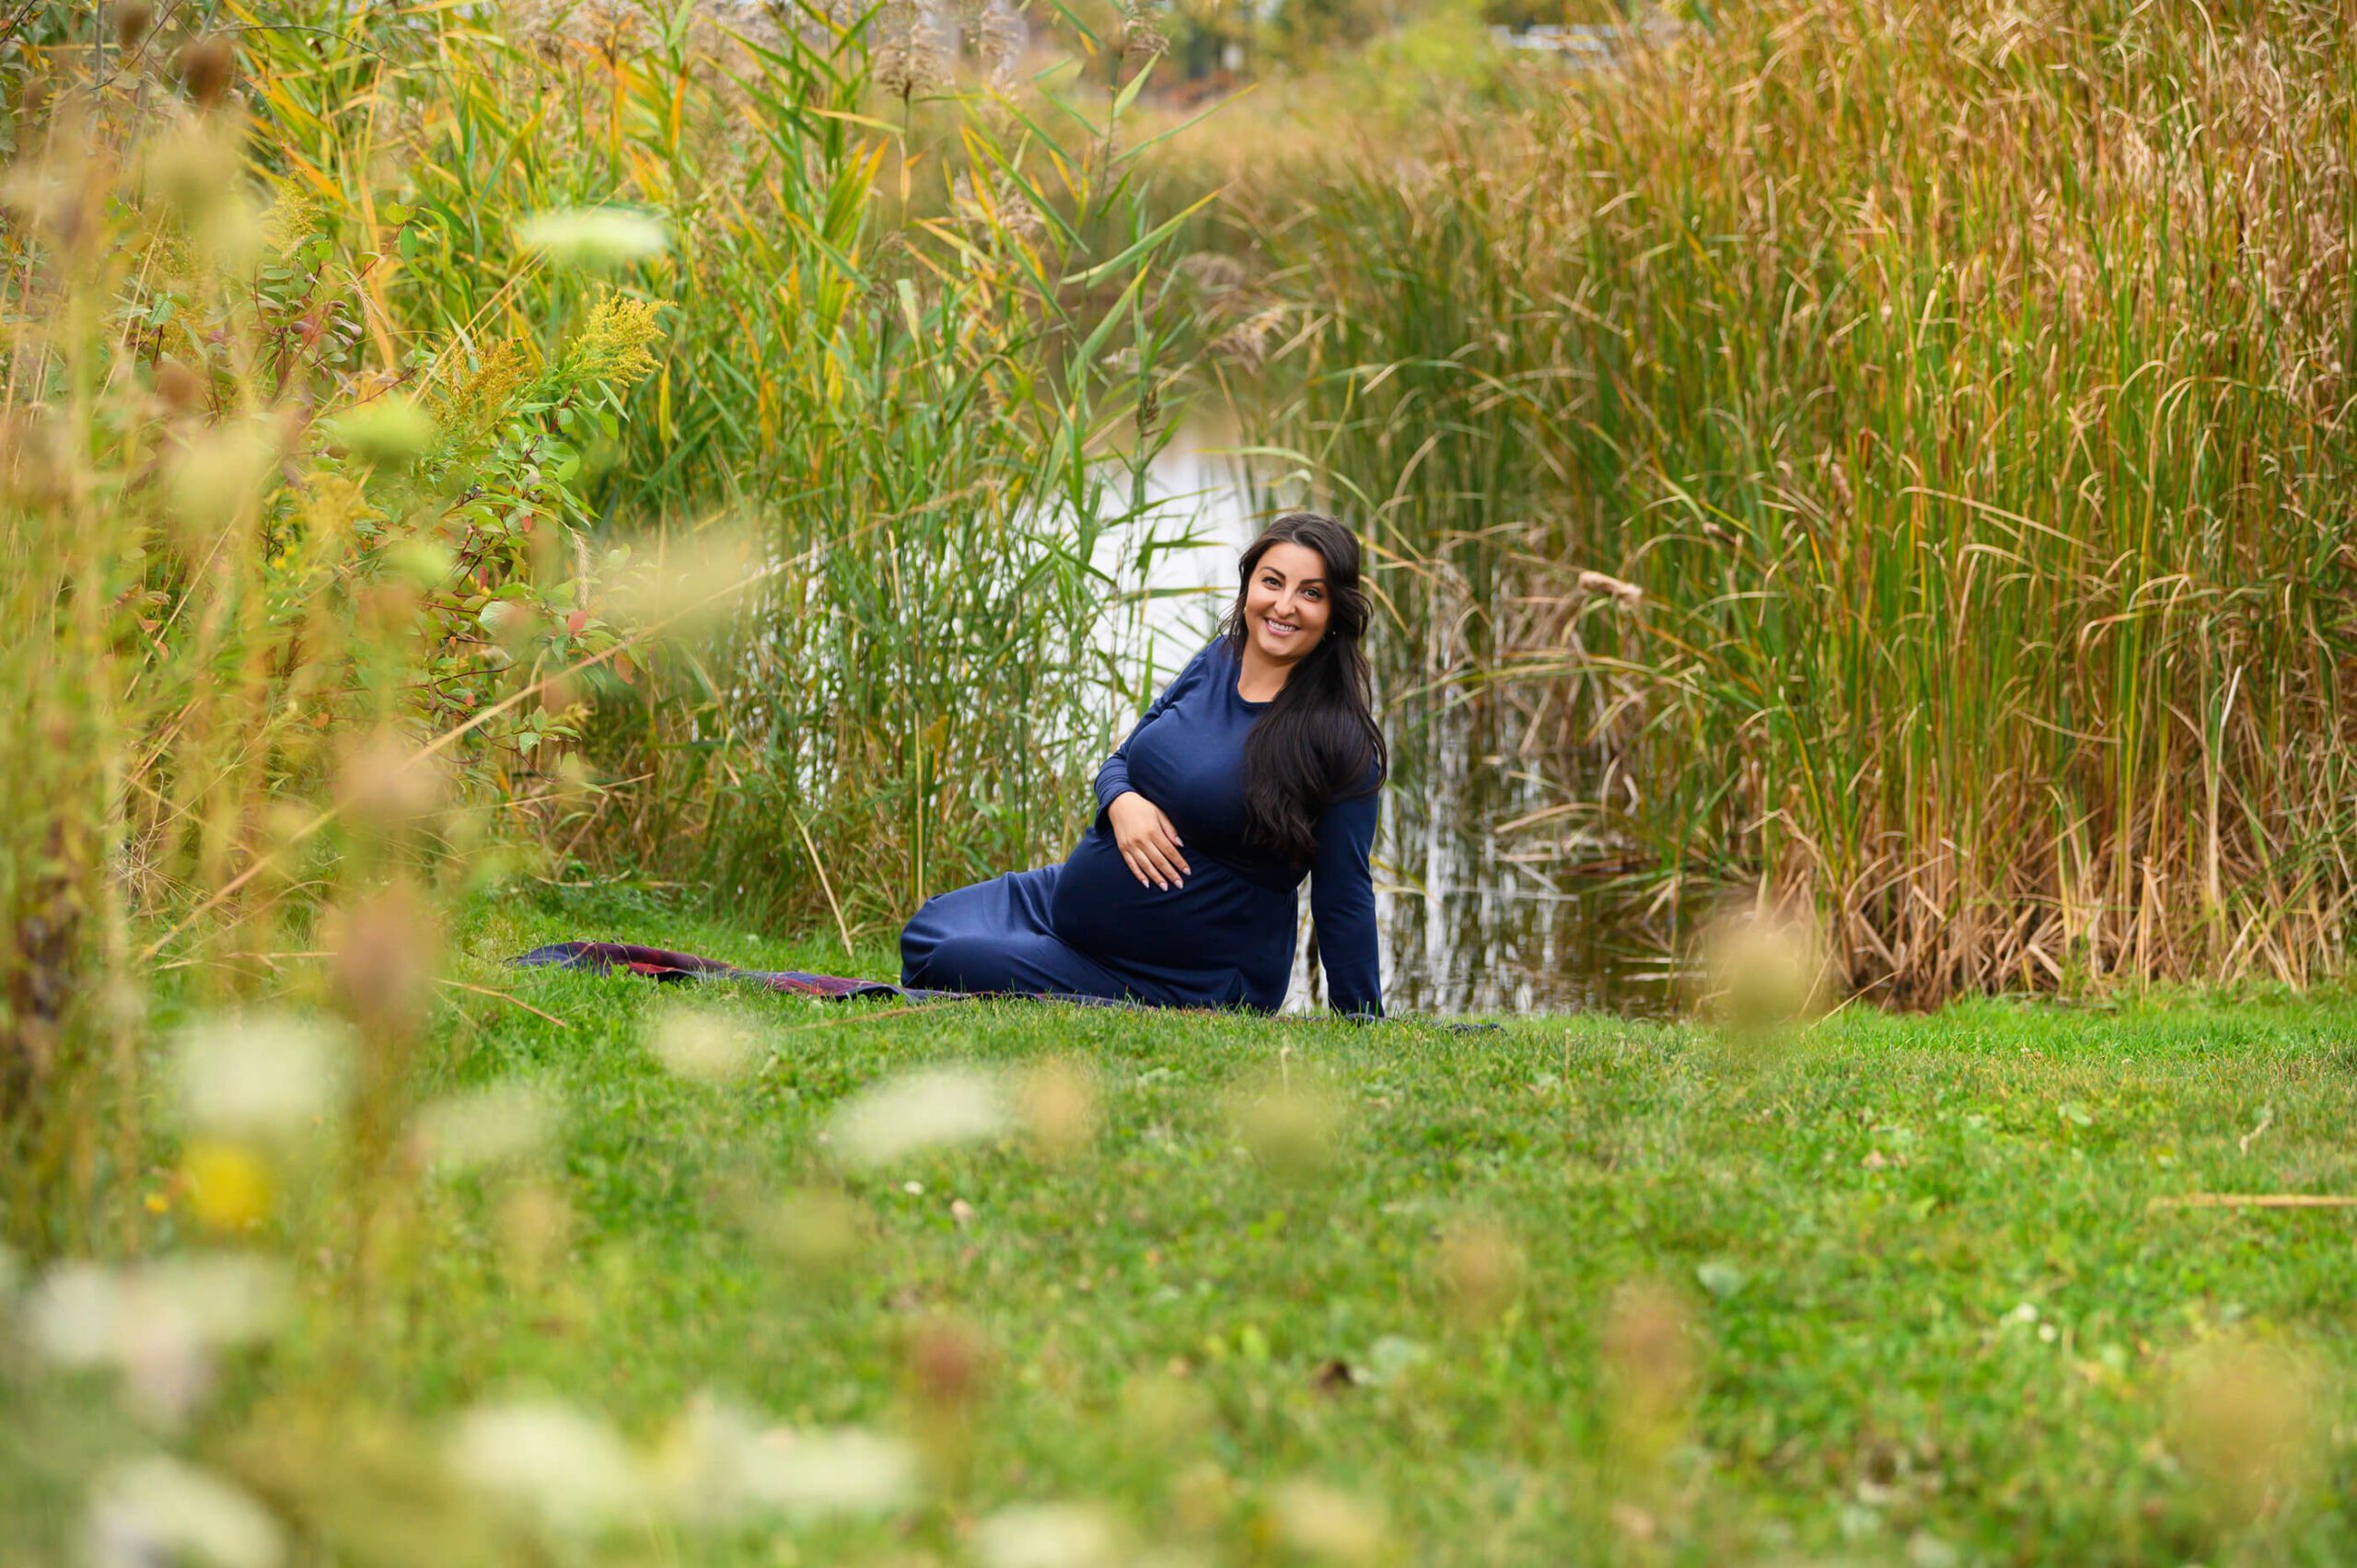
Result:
[[920, 938], [955, 963]]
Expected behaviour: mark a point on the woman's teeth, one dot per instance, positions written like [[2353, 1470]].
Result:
[[1280, 628]]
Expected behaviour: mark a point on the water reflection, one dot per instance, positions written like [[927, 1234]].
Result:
[[1486, 899]]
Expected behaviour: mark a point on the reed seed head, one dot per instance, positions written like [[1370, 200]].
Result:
[[206, 67]]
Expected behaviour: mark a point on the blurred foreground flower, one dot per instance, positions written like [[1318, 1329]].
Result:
[[722, 1466], [389, 429], [1059, 1106], [948, 1361], [1649, 1374], [384, 778], [1327, 1526], [699, 583], [159, 1324], [564, 1468], [816, 1229], [1481, 1268], [384, 941], [230, 1186], [191, 174], [1048, 1535], [159, 1510], [262, 1075], [534, 1227], [1289, 1129], [930, 1108], [598, 239], [1762, 972], [2247, 1419], [702, 1045], [216, 478], [504, 1124]]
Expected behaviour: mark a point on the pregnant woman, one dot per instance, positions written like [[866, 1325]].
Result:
[[1260, 763]]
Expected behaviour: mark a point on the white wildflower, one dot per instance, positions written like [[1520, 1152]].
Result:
[[1048, 1534], [925, 1109], [505, 1124], [158, 1324], [702, 1045], [568, 1469], [258, 1075], [823, 1470], [159, 1510], [722, 1466]]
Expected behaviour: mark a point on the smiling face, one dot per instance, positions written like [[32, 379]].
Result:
[[1286, 602]]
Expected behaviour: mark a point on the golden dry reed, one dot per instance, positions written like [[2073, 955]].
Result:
[[1894, 455]]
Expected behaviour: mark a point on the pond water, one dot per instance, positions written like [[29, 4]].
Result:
[[1476, 914]]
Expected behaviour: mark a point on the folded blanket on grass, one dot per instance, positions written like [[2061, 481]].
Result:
[[663, 964]]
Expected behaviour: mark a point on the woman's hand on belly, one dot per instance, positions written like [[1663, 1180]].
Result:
[[1101, 908], [1149, 844]]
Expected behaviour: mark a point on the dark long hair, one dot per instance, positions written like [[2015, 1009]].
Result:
[[1319, 740]]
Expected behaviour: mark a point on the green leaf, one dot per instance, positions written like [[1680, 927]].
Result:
[[1130, 92], [1155, 237]]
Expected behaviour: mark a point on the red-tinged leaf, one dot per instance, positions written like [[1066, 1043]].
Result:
[[574, 622]]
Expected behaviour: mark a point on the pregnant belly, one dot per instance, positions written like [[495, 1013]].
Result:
[[1215, 921]]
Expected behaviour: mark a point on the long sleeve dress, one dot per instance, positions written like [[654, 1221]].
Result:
[[1222, 936]]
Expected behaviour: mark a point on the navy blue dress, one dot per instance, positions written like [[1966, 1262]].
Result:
[[1223, 938]]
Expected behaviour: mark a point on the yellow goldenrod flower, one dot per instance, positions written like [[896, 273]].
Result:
[[613, 347]]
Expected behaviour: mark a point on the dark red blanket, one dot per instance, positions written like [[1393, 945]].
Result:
[[661, 963]]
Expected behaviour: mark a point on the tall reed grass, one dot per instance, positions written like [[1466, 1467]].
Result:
[[915, 371], [1896, 456], [293, 618]]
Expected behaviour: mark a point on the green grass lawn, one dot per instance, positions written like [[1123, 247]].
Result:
[[1580, 1290]]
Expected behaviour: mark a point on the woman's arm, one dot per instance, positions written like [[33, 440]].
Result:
[[1342, 901], [1113, 778]]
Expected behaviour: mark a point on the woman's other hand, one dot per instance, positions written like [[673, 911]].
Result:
[[1148, 842]]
